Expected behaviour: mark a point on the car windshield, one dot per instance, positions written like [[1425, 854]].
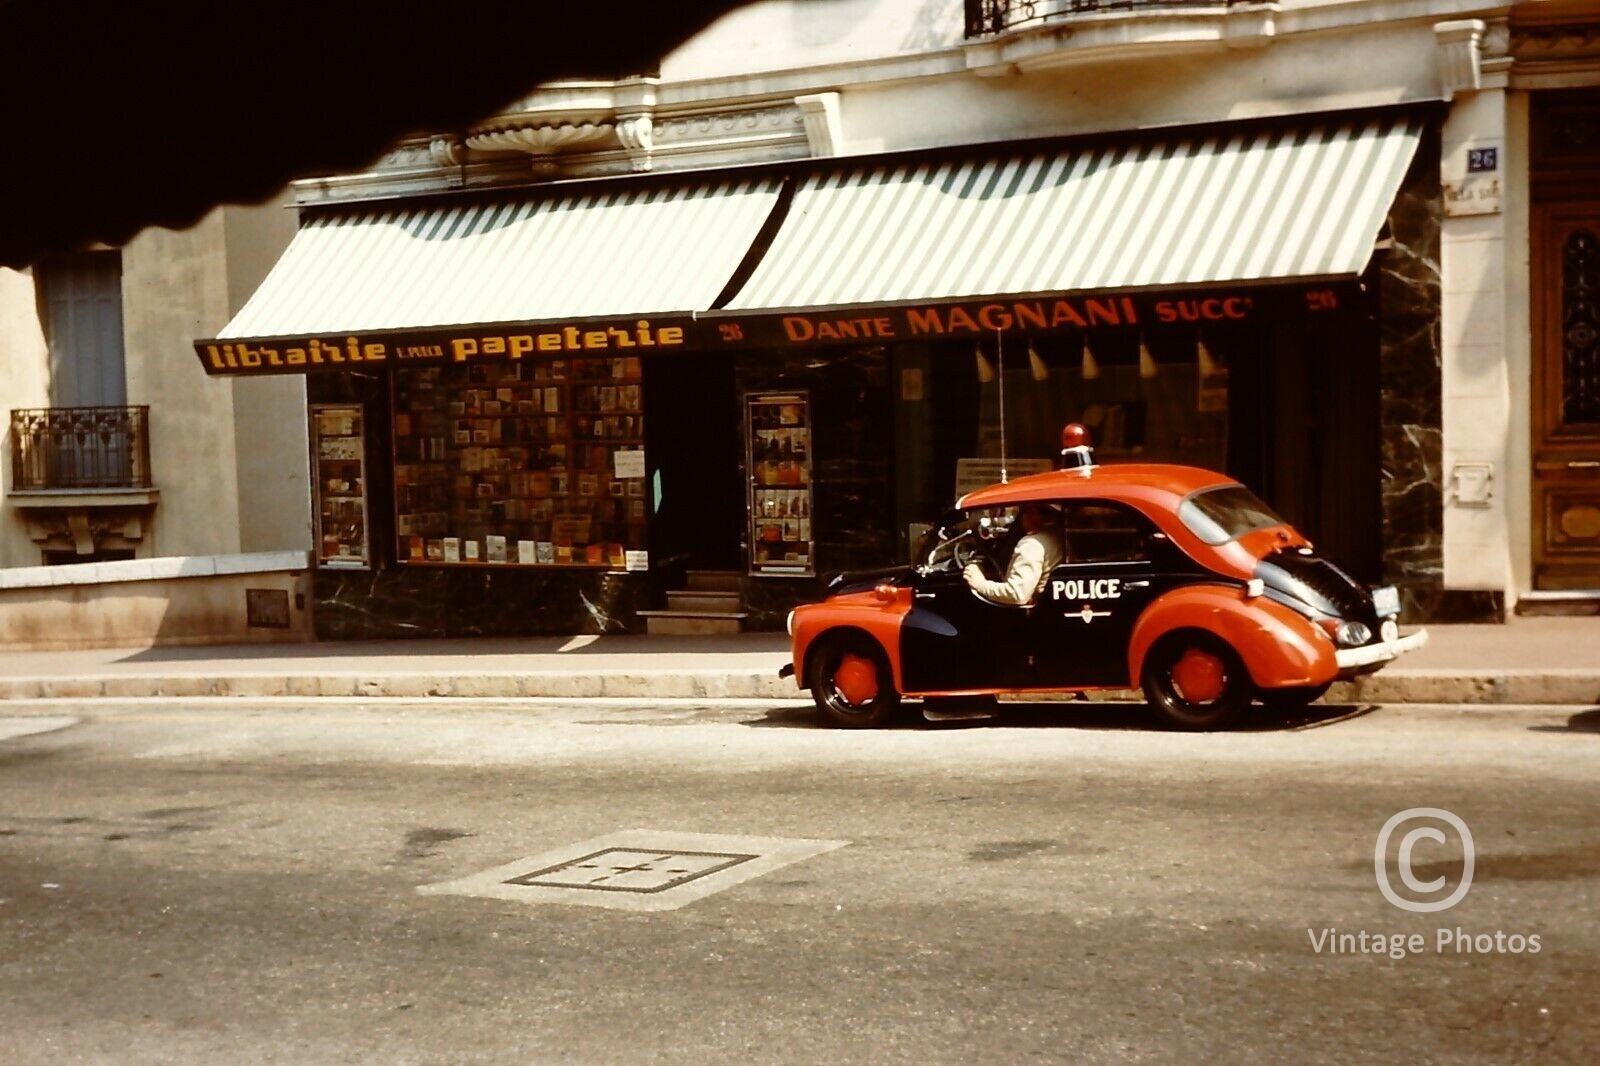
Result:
[[1219, 515], [946, 544]]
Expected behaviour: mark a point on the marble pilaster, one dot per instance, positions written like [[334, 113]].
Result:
[[1409, 317]]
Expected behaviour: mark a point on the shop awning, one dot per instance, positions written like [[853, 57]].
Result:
[[1252, 204], [625, 250]]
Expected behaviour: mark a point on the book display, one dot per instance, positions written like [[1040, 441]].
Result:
[[521, 464], [339, 479], [778, 443]]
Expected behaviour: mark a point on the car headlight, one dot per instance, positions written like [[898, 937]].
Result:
[[1345, 634], [788, 624], [1352, 634]]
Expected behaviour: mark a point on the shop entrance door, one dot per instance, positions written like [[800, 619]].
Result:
[[694, 446], [1566, 396]]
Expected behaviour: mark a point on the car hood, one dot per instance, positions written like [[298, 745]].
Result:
[[1316, 582], [866, 580]]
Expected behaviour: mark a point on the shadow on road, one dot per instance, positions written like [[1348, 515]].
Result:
[[1063, 714], [1582, 722]]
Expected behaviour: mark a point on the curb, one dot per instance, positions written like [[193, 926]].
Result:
[[1564, 687], [411, 686]]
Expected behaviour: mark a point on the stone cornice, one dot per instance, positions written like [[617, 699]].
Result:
[[577, 128], [1542, 44]]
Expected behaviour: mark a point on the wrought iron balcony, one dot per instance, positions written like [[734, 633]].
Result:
[[985, 17], [67, 448]]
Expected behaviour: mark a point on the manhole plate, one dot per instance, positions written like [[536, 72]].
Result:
[[636, 869], [632, 870]]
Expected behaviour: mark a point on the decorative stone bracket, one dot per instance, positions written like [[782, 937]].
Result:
[[85, 520], [824, 129], [636, 131], [1460, 50], [448, 152]]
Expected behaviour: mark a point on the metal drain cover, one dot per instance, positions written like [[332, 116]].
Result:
[[636, 869]]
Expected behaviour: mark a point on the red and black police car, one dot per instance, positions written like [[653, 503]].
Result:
[[1174, 579]]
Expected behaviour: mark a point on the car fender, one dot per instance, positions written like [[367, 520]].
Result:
[[1280, 649], [877, 616]]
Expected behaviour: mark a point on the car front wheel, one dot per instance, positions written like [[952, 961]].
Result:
[[1196, 681], [851, 683]]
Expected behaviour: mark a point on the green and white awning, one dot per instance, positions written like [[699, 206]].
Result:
[[1302, 202]]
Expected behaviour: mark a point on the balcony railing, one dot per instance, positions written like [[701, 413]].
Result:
[[985, 17], [80, 448]]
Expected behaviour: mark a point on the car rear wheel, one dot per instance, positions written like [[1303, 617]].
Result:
[[1292, 700], [852, 684], [1195, 681]]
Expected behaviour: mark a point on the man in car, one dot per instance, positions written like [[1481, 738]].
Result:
[[1038, 553]]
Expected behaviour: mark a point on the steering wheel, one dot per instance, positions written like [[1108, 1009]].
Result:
[[965, 551]]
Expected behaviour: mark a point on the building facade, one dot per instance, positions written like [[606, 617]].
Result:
[[116, 448], [767, 310]]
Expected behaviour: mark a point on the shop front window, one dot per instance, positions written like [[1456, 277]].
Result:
[[1157, 396], [521, 464]]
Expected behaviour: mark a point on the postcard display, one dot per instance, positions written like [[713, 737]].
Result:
[[778, 439], [340, 480], [521, 464]]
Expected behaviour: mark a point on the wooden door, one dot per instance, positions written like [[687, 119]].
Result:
[[1566, 396]]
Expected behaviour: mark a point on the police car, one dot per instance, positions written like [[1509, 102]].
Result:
[[1174, 579]]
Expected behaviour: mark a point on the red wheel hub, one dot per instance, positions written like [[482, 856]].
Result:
[[856, 678], [1199, 676]]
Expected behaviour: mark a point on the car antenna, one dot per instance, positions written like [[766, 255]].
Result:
[[1000, 373]]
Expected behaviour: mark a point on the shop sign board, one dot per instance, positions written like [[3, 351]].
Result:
[[799, 328], [1018, 314], [460, 344], [974, 474]]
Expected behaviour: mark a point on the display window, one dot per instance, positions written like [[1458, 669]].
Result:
[[339, 478], [521, 464], [778, 442]]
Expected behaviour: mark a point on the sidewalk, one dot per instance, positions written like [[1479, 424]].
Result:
[[1527, 660]]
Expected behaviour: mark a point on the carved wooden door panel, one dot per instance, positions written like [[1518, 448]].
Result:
[[1566, 396]]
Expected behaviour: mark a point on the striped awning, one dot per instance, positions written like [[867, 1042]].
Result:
[[626, 250], [1247, 205]]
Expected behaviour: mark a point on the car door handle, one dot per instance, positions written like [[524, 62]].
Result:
[[925, 595], [1136, 584]]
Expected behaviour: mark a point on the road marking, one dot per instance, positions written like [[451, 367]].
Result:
[[22, 727], [636, 870]]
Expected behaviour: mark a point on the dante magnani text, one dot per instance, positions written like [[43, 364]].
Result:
[[1042, 315], [354, 351]]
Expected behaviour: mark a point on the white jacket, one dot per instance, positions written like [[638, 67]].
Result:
[[1031, 562]]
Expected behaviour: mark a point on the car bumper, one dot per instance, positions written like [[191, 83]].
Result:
[[1371, 656]]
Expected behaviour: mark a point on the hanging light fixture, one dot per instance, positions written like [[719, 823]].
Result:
[[1091, 368], [985, 368], [1147, 362], [1041, 372], [1208, 362]]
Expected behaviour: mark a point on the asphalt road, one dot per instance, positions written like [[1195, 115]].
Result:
[[221, 881]]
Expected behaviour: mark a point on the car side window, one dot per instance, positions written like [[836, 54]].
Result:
[[1103, 532]]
